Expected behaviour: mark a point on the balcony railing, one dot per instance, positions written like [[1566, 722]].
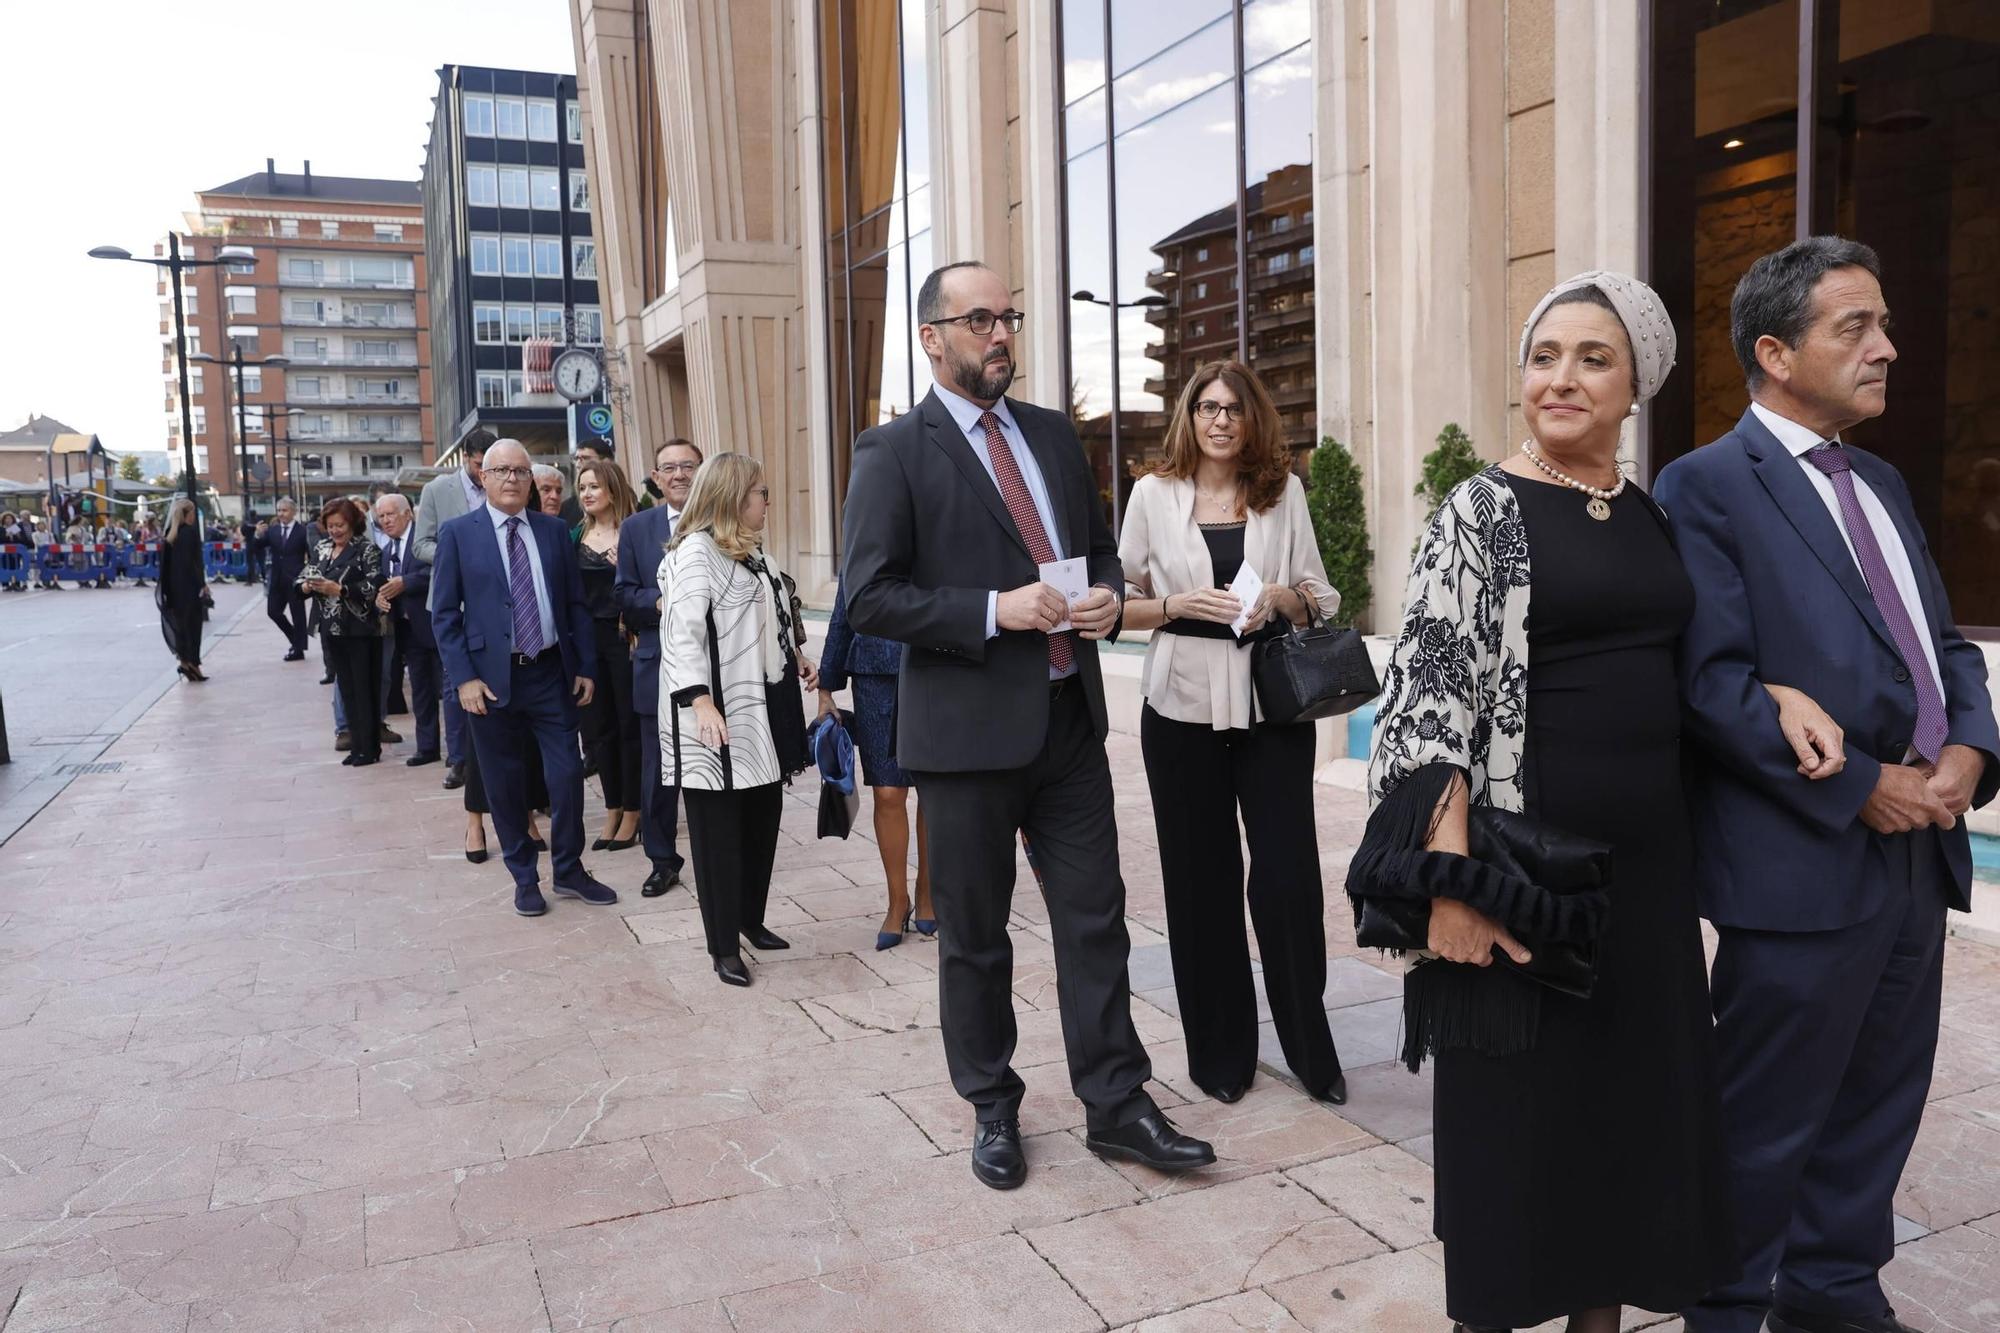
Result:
[[345, 398], [403, 320], [345, 436], [1277, 358], [292, 279], [349, 359]]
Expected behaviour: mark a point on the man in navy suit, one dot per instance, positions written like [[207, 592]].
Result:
[[508, 612], [1827, 882], [289, 545], [642, 541]]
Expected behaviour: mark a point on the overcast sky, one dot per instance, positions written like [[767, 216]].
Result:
[[115, 118]]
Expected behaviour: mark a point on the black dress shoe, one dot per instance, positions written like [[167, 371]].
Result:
[[296, 655], [454, 777], [1228, 1092], [659, 882], [732, 971], [1151, 1140], [1334, 1093], [996, 1154], [1783, 1320], [761, 938], [326, 680], [419, 760]]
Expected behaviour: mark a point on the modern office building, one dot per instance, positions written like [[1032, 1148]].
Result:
[[335, 286], [513, 259], [1363, 198]]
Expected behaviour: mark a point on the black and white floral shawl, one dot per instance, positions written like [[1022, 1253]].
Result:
[[1456, 689]]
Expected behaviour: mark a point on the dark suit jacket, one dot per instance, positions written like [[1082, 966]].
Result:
[[1779, 600], [928, 538], [413, 606], [849, 654], [472, 609], [288, 557], [642, 544]]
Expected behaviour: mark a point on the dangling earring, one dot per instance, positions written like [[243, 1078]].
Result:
[[1633, 410]]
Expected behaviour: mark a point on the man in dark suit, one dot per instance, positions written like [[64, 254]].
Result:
[[1829, 895], [952, 513], [508, 611], [642, 541], [405, 591], [288, 545], [445, 497]]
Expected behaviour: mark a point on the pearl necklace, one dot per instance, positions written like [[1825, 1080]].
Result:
[[1599, 507]]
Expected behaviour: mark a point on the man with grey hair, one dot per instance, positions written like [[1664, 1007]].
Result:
[[459, 491], [288, 546], [404, 590], [1825, 868]]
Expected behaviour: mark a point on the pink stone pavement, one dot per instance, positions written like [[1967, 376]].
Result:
[[276, 1057]]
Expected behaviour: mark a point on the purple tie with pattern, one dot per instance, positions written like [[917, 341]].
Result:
[[521, 586], [1932, 725]]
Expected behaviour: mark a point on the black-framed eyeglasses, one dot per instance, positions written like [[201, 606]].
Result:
[[671, 469], [509, 473], [981, 322], [1208, 410]]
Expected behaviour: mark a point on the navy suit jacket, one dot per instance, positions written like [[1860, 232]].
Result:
[[642, 544], [472, 609], [288, 557], [1779, 600], [415, 603], [850, 654]]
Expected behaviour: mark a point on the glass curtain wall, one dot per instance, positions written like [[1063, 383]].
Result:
[[1188, 197], [1902, 151], [876, 108]]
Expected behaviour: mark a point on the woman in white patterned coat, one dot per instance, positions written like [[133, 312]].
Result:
[[731, 673]]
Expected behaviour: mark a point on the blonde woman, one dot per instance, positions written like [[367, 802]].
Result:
[[732, 728], [610, 727], [183, 595], [1225, 499]]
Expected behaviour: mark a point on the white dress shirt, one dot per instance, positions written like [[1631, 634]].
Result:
[[967, 413], [543, 606], [475, 494], [1798, 441]]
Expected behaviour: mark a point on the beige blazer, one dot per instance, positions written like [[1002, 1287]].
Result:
[[1208, 680]]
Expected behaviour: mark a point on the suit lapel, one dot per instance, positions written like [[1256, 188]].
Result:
[[946, 435], [1801, 505]]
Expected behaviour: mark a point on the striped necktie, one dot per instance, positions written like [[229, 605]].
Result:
[[1014, 490], [521, 586]]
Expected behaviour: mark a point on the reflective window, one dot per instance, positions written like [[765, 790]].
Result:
[[513, 187], [877, 171], [479, 116]]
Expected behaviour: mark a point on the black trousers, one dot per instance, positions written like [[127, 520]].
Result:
[[733, 836], [659, 808], [287, 608], [357, 673], [611, 728], [1063, 801], [426, 684], [1201, 778]]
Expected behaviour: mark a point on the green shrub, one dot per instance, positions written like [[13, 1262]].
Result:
[[1444, 467], [1340, 524]]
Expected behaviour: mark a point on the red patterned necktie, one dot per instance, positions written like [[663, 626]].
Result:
[[1007, 471]]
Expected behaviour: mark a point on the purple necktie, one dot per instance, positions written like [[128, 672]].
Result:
[[521, 585], [1831, 459]]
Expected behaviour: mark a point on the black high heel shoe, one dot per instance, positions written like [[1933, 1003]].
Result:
[[479, 857]]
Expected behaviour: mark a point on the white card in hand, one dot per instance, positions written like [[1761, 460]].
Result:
[[1248, 587], [1069, 577]]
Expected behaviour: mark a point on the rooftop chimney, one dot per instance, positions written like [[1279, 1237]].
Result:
[[309, 176], [271, 174]]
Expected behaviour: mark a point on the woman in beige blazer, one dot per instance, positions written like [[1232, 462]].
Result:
[[1224, 497]]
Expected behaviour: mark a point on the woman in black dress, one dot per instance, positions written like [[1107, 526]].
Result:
[[1578, 1150], [345, 574], [182, 594], [610, 727]]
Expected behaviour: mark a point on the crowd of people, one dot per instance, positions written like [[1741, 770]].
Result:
[[1743, 700]]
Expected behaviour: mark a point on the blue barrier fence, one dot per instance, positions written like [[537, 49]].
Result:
[[105, 563]]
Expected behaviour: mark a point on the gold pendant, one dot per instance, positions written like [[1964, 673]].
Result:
[[1598, 509]]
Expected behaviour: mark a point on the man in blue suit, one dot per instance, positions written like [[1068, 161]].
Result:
[[642, 542], [288, 543], [1827, 884], [511, 625]]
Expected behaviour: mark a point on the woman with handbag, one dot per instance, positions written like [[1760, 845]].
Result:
[[345, 574], [1578, 1152], [182, 595], [1224, 500], [731, 675]]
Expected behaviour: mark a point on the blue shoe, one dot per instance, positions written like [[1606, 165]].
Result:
[[926, 926], [528, 900], [888, 939], [588, 889]]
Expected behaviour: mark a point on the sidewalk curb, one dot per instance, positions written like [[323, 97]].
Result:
[[32, 799]]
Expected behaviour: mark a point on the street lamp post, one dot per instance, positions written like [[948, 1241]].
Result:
[[175, 265], [1152, 301], [272, 419], [235, 363]]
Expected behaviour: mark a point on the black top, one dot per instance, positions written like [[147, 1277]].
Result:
[[1225, 552], [600, 571], [180, 567]]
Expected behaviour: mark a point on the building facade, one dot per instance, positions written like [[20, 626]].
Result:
[[513, 255], [1361, 198], [334, 290]]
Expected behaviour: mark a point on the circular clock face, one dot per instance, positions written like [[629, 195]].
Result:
[[577, 375]]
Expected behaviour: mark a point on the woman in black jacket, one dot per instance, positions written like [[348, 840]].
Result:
[[345, 574], [182, 595]]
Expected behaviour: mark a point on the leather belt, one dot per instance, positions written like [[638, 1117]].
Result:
[[523, 660]]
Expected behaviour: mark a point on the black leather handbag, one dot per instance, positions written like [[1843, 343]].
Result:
[[1318, 670]]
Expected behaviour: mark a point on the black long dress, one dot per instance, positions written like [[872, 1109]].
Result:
[[178, 594], [1588, 1171], [611, 728]]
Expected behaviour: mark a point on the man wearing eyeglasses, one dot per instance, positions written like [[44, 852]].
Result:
[[953, 511], [642, 542]]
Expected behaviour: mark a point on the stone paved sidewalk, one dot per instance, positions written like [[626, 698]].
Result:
[[276, 1057]]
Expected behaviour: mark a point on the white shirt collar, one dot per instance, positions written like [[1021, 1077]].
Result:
[[1797, 439], [966, 412], [500, 518]]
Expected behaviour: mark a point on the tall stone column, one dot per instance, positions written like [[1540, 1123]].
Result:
[[969, 107]]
